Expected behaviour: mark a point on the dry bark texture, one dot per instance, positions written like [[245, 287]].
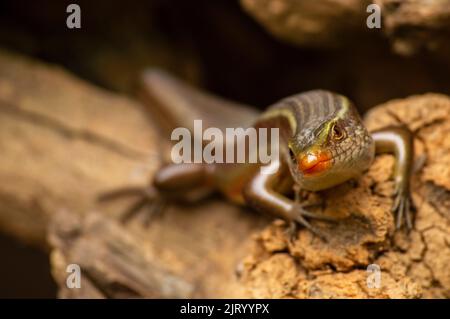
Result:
[[410, 25], [417, 25], [412, 265], [64, 141], [310, 23]]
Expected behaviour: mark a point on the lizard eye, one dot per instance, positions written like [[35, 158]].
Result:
[[338, 133], [292, 155]]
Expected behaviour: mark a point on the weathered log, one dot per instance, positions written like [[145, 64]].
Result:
[[412, 265], [63, 142], [327, 23], [411, 26]]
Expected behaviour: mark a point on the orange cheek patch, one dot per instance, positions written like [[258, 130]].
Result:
[[314, 162]]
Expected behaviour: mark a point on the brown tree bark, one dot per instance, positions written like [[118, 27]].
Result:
[[64, 141], [411, 26]]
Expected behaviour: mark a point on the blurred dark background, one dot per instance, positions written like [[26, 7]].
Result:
[[211, 44], [214, 44]]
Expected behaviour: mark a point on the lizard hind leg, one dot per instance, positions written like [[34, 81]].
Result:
[[183, 182], [146, 198]]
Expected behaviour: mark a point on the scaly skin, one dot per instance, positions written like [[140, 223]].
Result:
[[323, 143]]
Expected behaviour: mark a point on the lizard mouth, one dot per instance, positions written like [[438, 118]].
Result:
[[314, 162]]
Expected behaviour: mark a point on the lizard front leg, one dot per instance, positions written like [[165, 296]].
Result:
[[399, 140], [260, 193]]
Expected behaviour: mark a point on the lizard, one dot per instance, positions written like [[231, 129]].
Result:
[[322, 143]]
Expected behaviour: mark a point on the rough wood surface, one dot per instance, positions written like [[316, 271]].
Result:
[[326, 23], [64, 141], [414, 265], [414, 26], [411, 26]]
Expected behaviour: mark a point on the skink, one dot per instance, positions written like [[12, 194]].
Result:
[[322, 143]]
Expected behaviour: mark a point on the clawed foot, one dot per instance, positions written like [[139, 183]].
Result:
[[146, 198], [299, 212], [402, 208]]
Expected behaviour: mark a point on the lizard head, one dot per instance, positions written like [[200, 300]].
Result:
[[328, 151]]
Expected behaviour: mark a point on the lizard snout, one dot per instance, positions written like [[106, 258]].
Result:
[[314, 162]]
